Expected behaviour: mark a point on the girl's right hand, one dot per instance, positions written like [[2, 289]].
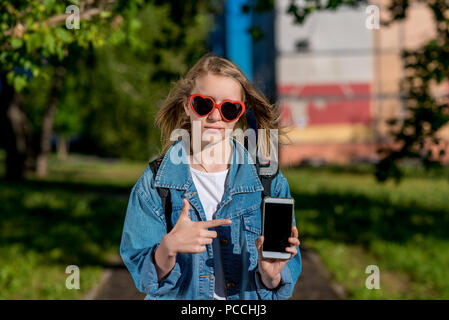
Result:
[[189, 236]]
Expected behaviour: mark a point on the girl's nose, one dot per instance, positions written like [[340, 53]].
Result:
[[215, 115]]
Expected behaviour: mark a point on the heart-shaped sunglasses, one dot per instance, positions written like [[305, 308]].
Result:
[[204, 105]]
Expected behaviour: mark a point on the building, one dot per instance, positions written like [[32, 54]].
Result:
[[338, 80], [335, 79]]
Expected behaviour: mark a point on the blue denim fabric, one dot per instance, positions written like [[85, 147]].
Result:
[[193, 275]]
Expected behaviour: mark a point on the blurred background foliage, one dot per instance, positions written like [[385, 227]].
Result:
[[110, 93], [100, 85]]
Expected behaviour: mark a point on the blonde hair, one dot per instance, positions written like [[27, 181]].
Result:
[[172, 116]]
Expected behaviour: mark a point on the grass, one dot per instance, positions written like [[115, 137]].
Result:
[[27, 274], [96, 171], [73, 217], [353, 222]]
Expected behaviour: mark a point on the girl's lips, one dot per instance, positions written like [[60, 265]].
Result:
[[216, 128]]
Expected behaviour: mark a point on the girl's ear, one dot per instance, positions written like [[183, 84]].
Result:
[[186, 108]]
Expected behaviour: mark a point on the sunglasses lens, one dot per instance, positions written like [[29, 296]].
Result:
[[231, 110], [202, 106]]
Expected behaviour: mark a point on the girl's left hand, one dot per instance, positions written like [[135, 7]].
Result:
[[269, 268]]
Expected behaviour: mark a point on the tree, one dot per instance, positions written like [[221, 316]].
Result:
[[42, 38], [33, 36]]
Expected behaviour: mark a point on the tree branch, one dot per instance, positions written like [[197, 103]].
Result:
[[20, 29]]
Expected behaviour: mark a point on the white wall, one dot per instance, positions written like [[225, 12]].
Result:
[[340, 47]]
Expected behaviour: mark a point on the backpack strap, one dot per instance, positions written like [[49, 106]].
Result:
[[264, 179], [164, 193], [266, 183]]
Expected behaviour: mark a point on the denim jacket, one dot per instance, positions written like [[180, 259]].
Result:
[[192, 277]]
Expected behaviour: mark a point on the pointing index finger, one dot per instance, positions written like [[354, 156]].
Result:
[[216, 223]]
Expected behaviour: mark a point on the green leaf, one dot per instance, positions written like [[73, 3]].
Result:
[[105, 14], [134, 25], [19, 82], [59, 52], [48, 4], [16, 43], [63, 34], [33, 42], [49, 42]]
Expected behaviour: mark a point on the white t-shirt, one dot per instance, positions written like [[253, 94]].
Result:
[[210, 187]]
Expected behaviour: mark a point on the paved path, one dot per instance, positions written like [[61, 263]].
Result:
[[314, 282]]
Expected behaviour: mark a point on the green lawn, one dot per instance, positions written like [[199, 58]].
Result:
[[353, 221], [73, 217]]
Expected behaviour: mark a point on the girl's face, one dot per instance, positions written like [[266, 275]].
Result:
[[218, 88]]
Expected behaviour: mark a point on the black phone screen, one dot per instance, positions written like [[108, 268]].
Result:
[[277, 226]]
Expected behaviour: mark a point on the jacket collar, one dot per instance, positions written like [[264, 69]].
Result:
[[174, 171]]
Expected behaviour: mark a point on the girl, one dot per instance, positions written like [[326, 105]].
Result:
[[214, 248]]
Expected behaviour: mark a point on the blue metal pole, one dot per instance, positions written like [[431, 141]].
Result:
[[239, 43]]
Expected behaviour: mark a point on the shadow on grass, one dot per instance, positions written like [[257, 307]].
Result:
[[73, 223], [78, 223], [362, 169], [358, 219], [69, 186]]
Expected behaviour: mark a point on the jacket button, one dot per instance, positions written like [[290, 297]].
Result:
[[224, 242], [230, 284]]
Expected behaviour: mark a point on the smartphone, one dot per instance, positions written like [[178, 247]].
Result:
[[277, 226]]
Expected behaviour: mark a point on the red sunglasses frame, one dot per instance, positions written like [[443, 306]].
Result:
[[218, 106]]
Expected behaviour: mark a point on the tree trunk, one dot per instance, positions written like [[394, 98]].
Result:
[[62, 148], [47, 124], [16, 130]]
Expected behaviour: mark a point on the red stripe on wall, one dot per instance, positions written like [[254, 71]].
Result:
[[340, 112], [328, 89], [338, 103]]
